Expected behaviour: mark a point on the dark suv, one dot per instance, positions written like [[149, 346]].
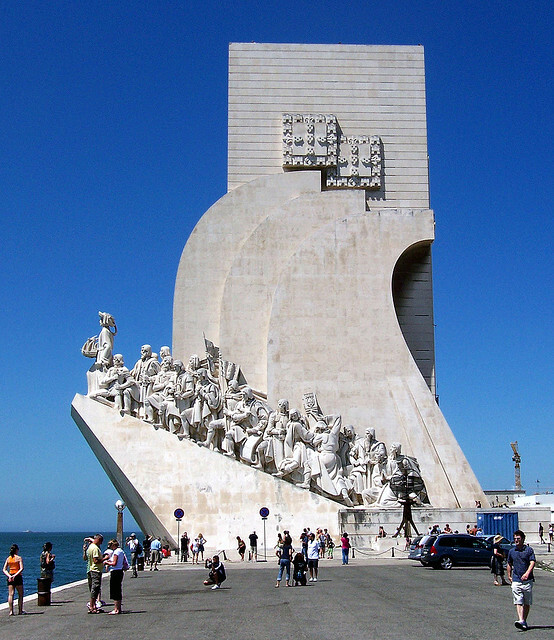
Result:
[[445, 550]]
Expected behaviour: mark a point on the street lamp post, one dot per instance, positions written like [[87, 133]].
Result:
[[120, 506]]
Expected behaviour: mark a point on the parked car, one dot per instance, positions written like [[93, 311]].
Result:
[[415, 548], [505, 544], [446, 550]]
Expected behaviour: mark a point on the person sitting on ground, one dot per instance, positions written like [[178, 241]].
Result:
[[447, 528], [217, 574], [382, 533], [299, 572]]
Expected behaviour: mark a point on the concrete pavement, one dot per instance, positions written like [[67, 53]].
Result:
[[388, 599]]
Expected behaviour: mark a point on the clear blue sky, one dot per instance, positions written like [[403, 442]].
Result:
[[113, 137]]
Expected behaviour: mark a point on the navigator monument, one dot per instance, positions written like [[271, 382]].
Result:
[[302, 373]]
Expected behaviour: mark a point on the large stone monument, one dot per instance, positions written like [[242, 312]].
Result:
[[309, 283]]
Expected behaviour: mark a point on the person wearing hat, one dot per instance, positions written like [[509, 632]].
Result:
[[497, 561], [136, 549]]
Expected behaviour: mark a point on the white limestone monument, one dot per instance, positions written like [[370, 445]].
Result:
[[302, 372]]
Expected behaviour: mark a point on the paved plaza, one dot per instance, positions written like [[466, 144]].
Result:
[[388, 599]]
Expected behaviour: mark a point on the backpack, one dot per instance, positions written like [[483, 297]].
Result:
[[125, 562], [138, 549]]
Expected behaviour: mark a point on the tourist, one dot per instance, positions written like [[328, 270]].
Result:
[[201, 545], [195, 546], [185, 541], [551, 533], [322, 542], [253, 555], [146, 548], [447, 528], [47, 563], [241, 548], [345, 546], [541, 533], [285, 559], [13, 568], [313, 556], [497, 561], [135, 549], [279, 546], [93, 556], [116, 563], [217, 574], [330, 547], [155, 553], [300, 566], [521, 561], [304, 542], [382, 533]]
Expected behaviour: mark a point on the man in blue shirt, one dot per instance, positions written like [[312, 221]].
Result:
[[155, 553], [521, 561]]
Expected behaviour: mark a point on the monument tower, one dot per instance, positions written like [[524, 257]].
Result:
[[314, 275]]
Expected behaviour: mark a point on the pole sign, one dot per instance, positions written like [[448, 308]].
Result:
[[178, 513], [264, 512]]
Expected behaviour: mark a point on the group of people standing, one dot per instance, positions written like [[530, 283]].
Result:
[[115, 560], [13, 570], [196, 548]]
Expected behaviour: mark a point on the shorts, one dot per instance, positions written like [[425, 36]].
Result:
[[523, 592], [253, 550], [155, 556], [312, 564], [94, 583], [116, 578], [16, 582]]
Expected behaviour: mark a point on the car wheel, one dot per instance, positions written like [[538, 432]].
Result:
[[446, 562]]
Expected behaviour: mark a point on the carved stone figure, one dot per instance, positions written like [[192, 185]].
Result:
[[327, 469], [346, 441], [105, 340], [164, 352], [401, 471], [217, 428], [169, 412], [118, 384], [144, 371], [299, 451], [162, 385], [271, 450], [358, 466], [247, 424], [206, 402]]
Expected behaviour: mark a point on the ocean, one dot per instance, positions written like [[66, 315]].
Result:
[[68, 548]]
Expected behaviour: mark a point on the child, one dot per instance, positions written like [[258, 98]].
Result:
[[330, 547], [300, 568]]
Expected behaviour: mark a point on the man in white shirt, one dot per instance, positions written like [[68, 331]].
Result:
[[135, 548], [313, 556]]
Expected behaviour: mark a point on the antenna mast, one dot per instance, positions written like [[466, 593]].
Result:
[[517, 459]]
